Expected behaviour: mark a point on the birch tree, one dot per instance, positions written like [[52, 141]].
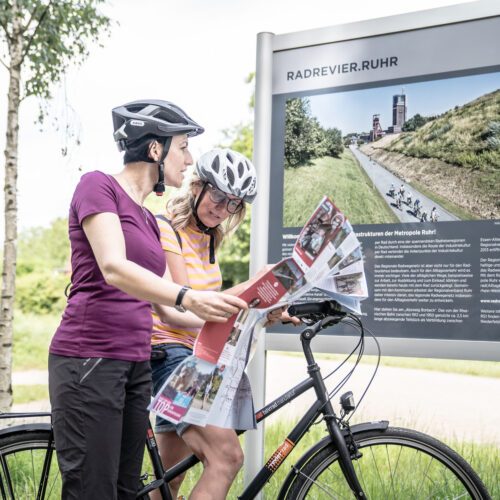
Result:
[[39, 39]]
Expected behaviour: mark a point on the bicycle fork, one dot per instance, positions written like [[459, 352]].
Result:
[[338, 440]]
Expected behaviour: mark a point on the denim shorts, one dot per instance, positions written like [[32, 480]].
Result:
[[161, 370]]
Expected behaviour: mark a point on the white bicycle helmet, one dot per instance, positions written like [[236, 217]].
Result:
[[229, 171]]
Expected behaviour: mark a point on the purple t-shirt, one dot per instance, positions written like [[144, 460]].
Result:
[[100, 320]]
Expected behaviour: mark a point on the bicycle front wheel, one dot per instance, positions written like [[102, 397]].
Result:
[[28, 466], [395, 464]]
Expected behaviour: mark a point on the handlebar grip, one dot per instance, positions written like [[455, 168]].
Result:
[[327, 307]]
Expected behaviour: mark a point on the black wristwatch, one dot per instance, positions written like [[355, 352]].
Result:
[[180, 296]]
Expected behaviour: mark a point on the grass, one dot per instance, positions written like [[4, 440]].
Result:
[[25, 468], [28, 393], [459, 136], [32, 336], [33, 333], [484, 459], [461, 367], [467, 139], [341, 179]]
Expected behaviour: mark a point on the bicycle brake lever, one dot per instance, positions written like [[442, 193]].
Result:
[[333, 320]]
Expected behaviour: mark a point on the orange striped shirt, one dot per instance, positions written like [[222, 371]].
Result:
[[201, 274]]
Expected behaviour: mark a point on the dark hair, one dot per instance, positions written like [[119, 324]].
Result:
[[139, 149]]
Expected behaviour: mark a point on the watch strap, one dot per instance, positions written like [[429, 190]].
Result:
[[180, 296]]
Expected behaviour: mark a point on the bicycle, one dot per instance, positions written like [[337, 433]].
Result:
[[366, 460]]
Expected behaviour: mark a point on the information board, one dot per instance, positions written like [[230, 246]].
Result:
[[398, 121]]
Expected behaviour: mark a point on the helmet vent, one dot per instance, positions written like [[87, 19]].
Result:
[[169, 116], [230, 176], [246, 183], [241, 169], [216, 164]]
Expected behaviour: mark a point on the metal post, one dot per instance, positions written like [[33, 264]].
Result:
[[254, 440]]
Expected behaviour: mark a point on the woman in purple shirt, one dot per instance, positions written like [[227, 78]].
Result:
[[99, 371]]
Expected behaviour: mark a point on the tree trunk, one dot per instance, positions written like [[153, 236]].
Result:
[[10, 242]]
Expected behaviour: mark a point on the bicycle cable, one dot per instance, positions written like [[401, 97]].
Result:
[[360, 346], [379, 354], [342, 382]]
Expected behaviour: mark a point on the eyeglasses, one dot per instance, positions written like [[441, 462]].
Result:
[[233, 206]]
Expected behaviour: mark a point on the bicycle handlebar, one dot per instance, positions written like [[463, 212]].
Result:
[[325, 308]]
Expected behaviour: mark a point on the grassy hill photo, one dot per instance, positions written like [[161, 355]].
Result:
[[455, 157]]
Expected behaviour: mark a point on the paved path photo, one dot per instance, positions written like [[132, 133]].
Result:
[[382, 180]]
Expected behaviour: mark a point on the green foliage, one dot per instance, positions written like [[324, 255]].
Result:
[[234, 255], [467, 136], [492, 136], [334, 144], [44, 248], [43, 268], [300, 132], [415, 122], [305, 138], [240, 138], [41, 292], [32, 336], [54, 34]]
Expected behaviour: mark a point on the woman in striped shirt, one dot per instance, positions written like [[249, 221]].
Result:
[[193, 228]]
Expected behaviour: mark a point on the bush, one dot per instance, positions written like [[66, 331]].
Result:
[[41, 292], [305, 138]]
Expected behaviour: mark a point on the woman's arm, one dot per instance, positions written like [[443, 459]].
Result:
[[105, 236], [177, 272]]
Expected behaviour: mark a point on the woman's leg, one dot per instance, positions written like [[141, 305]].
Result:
[[87, 398], [135, 424], [222, 458], [171, 447]]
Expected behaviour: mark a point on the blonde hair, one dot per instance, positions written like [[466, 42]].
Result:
[[180, 213]]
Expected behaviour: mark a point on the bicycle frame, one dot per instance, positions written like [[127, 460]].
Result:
[[322, 407]]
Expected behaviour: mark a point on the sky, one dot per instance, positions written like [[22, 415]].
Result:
[[196, 53], [353, 111]]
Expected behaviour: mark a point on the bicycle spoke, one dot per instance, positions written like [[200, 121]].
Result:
[[361, 476], [33, 475], [6, 472], [394, 464], [54, 482], [398, 461], [390, 469], [317, 484], [378, 472]]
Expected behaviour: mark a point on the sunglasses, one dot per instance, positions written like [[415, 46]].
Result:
[[233, 206]]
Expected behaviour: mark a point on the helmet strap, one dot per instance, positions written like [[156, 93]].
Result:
[[159, 187], [204, 229]]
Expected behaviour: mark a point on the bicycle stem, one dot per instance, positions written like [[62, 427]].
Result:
[[345, 460]]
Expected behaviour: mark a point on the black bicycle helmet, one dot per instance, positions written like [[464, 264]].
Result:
[[154, 118]]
